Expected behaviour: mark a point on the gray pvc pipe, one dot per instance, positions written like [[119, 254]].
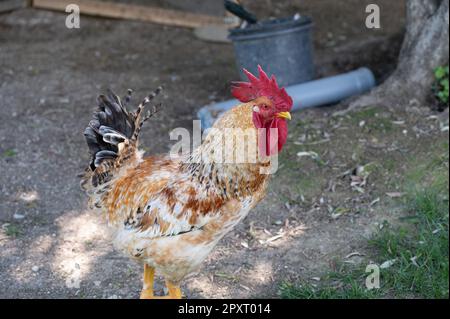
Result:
[[311, 94]]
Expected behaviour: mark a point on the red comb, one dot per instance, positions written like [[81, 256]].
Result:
[[264, 86]]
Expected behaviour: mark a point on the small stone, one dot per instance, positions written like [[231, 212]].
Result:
[[18, 216], [29, 196], [35, 268], [388, 263]]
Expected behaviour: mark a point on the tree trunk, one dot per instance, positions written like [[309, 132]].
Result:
[[425, 47]]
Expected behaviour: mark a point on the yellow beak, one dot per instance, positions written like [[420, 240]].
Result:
[[284, 115]]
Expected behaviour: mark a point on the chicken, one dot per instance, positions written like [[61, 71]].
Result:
[[169, 211]]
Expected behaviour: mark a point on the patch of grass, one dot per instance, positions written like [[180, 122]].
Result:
[[383, 124], [433, 171], [364, 114], [12, 230], [342, 284], [307, 185], [9, 153], [440, 87], [419, 246], [297, 172], [390, 164], [420, 249], [373, 119]]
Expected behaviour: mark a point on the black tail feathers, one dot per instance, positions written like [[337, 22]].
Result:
[[112, 124]]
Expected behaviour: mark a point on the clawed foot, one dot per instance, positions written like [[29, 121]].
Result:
[[147, 294]]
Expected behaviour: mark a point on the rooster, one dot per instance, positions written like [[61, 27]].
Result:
[[169, 211]]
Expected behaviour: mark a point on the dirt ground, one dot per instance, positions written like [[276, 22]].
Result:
[[52, 247]]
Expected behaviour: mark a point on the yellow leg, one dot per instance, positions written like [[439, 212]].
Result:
[[174, 290], [149, 277]]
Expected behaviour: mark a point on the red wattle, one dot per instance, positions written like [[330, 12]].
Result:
[[272, 136]]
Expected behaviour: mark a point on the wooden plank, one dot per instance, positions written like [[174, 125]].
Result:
[[9, 5], [213, 33], [133, 12]]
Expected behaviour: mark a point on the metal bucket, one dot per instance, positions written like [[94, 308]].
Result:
[[282, 47]]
